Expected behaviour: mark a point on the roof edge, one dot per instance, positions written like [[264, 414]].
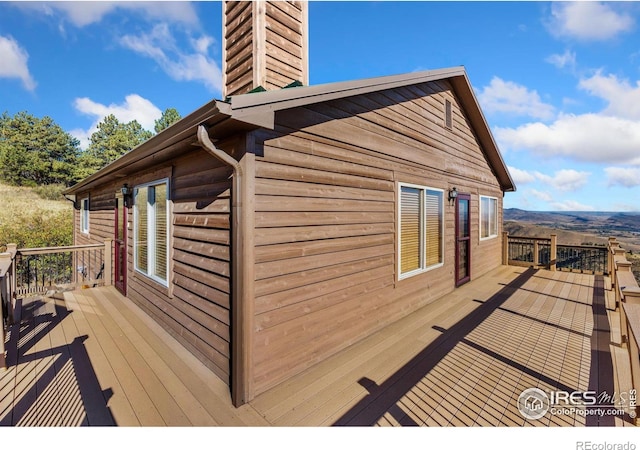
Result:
[[300, 96]]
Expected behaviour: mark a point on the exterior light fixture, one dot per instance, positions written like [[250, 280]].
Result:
[[126, 195], [453, 194]]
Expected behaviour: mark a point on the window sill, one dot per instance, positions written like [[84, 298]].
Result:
[[413, 273]]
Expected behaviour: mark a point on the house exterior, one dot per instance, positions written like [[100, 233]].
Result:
[[270, 230]]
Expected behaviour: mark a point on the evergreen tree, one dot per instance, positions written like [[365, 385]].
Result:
[[36, 151], [112, 140], [169, 116]]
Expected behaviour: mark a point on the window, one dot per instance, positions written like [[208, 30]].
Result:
[[488, 217], [84, 215], [421, 229], [151, 230]]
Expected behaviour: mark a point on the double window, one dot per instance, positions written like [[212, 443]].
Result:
[[421, 229], [150, 213], [488, 217]]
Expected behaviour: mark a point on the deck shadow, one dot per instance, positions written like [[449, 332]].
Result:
[[61, 387], [384, 398], [381, 399]]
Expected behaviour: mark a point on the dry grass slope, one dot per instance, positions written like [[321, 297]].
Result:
[[26, 217]]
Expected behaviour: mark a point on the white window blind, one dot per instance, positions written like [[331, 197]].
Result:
[[151, 230], [421, 229]]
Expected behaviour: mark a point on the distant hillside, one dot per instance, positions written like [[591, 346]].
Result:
[[576, 227]]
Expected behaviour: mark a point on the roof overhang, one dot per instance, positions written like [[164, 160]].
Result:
[[176, 140], [247, 112], [271, 101]]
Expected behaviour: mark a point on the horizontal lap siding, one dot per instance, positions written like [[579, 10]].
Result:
[[101, 227], [284, 44], [201, 190], [239, 47], [325, 257], [195, 307], [101, 216], [271, 56]]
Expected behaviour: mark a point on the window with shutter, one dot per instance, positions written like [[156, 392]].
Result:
[[488, 217], [421, 240], [151, 230]]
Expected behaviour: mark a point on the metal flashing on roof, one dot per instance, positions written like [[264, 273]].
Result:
[[285, 98]]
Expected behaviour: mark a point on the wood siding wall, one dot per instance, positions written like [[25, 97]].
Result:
[[195, 307], [326, 220], [264, 44]]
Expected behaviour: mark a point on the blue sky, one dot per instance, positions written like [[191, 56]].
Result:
[[559, 83]]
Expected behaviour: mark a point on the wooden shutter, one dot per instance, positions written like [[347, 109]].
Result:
[[409, 229], [433, 227], [160, 225], [141, 232]]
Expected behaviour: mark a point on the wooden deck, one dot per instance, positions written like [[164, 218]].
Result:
[[94, 358]]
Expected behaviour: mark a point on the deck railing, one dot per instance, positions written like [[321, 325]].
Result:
[[546, 252], [627, 294], [39, 270], [7, 298]]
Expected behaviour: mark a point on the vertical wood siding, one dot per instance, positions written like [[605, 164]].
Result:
[[326, 220]]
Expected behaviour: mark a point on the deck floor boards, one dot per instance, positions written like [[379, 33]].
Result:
[[92, 357]]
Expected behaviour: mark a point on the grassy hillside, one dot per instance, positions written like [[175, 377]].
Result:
[[29, 220]]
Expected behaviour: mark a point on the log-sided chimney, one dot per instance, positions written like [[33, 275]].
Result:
[[264, 44]]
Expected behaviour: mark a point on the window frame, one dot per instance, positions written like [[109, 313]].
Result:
[[151, 233], [495, 218], [422, 232], [85, 209]]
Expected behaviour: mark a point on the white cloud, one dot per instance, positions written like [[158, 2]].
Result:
[[565, 180], [623, 99], [160, 45], [509, 97], [571, 205], [134, 107], [14, 62], [566, 60], [544, 196], [623, 176], [588, 21], [521, 176], [588, 137], [84, 13]]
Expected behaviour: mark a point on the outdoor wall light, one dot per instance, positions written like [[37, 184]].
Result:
[[453, 194], [126, 195]]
